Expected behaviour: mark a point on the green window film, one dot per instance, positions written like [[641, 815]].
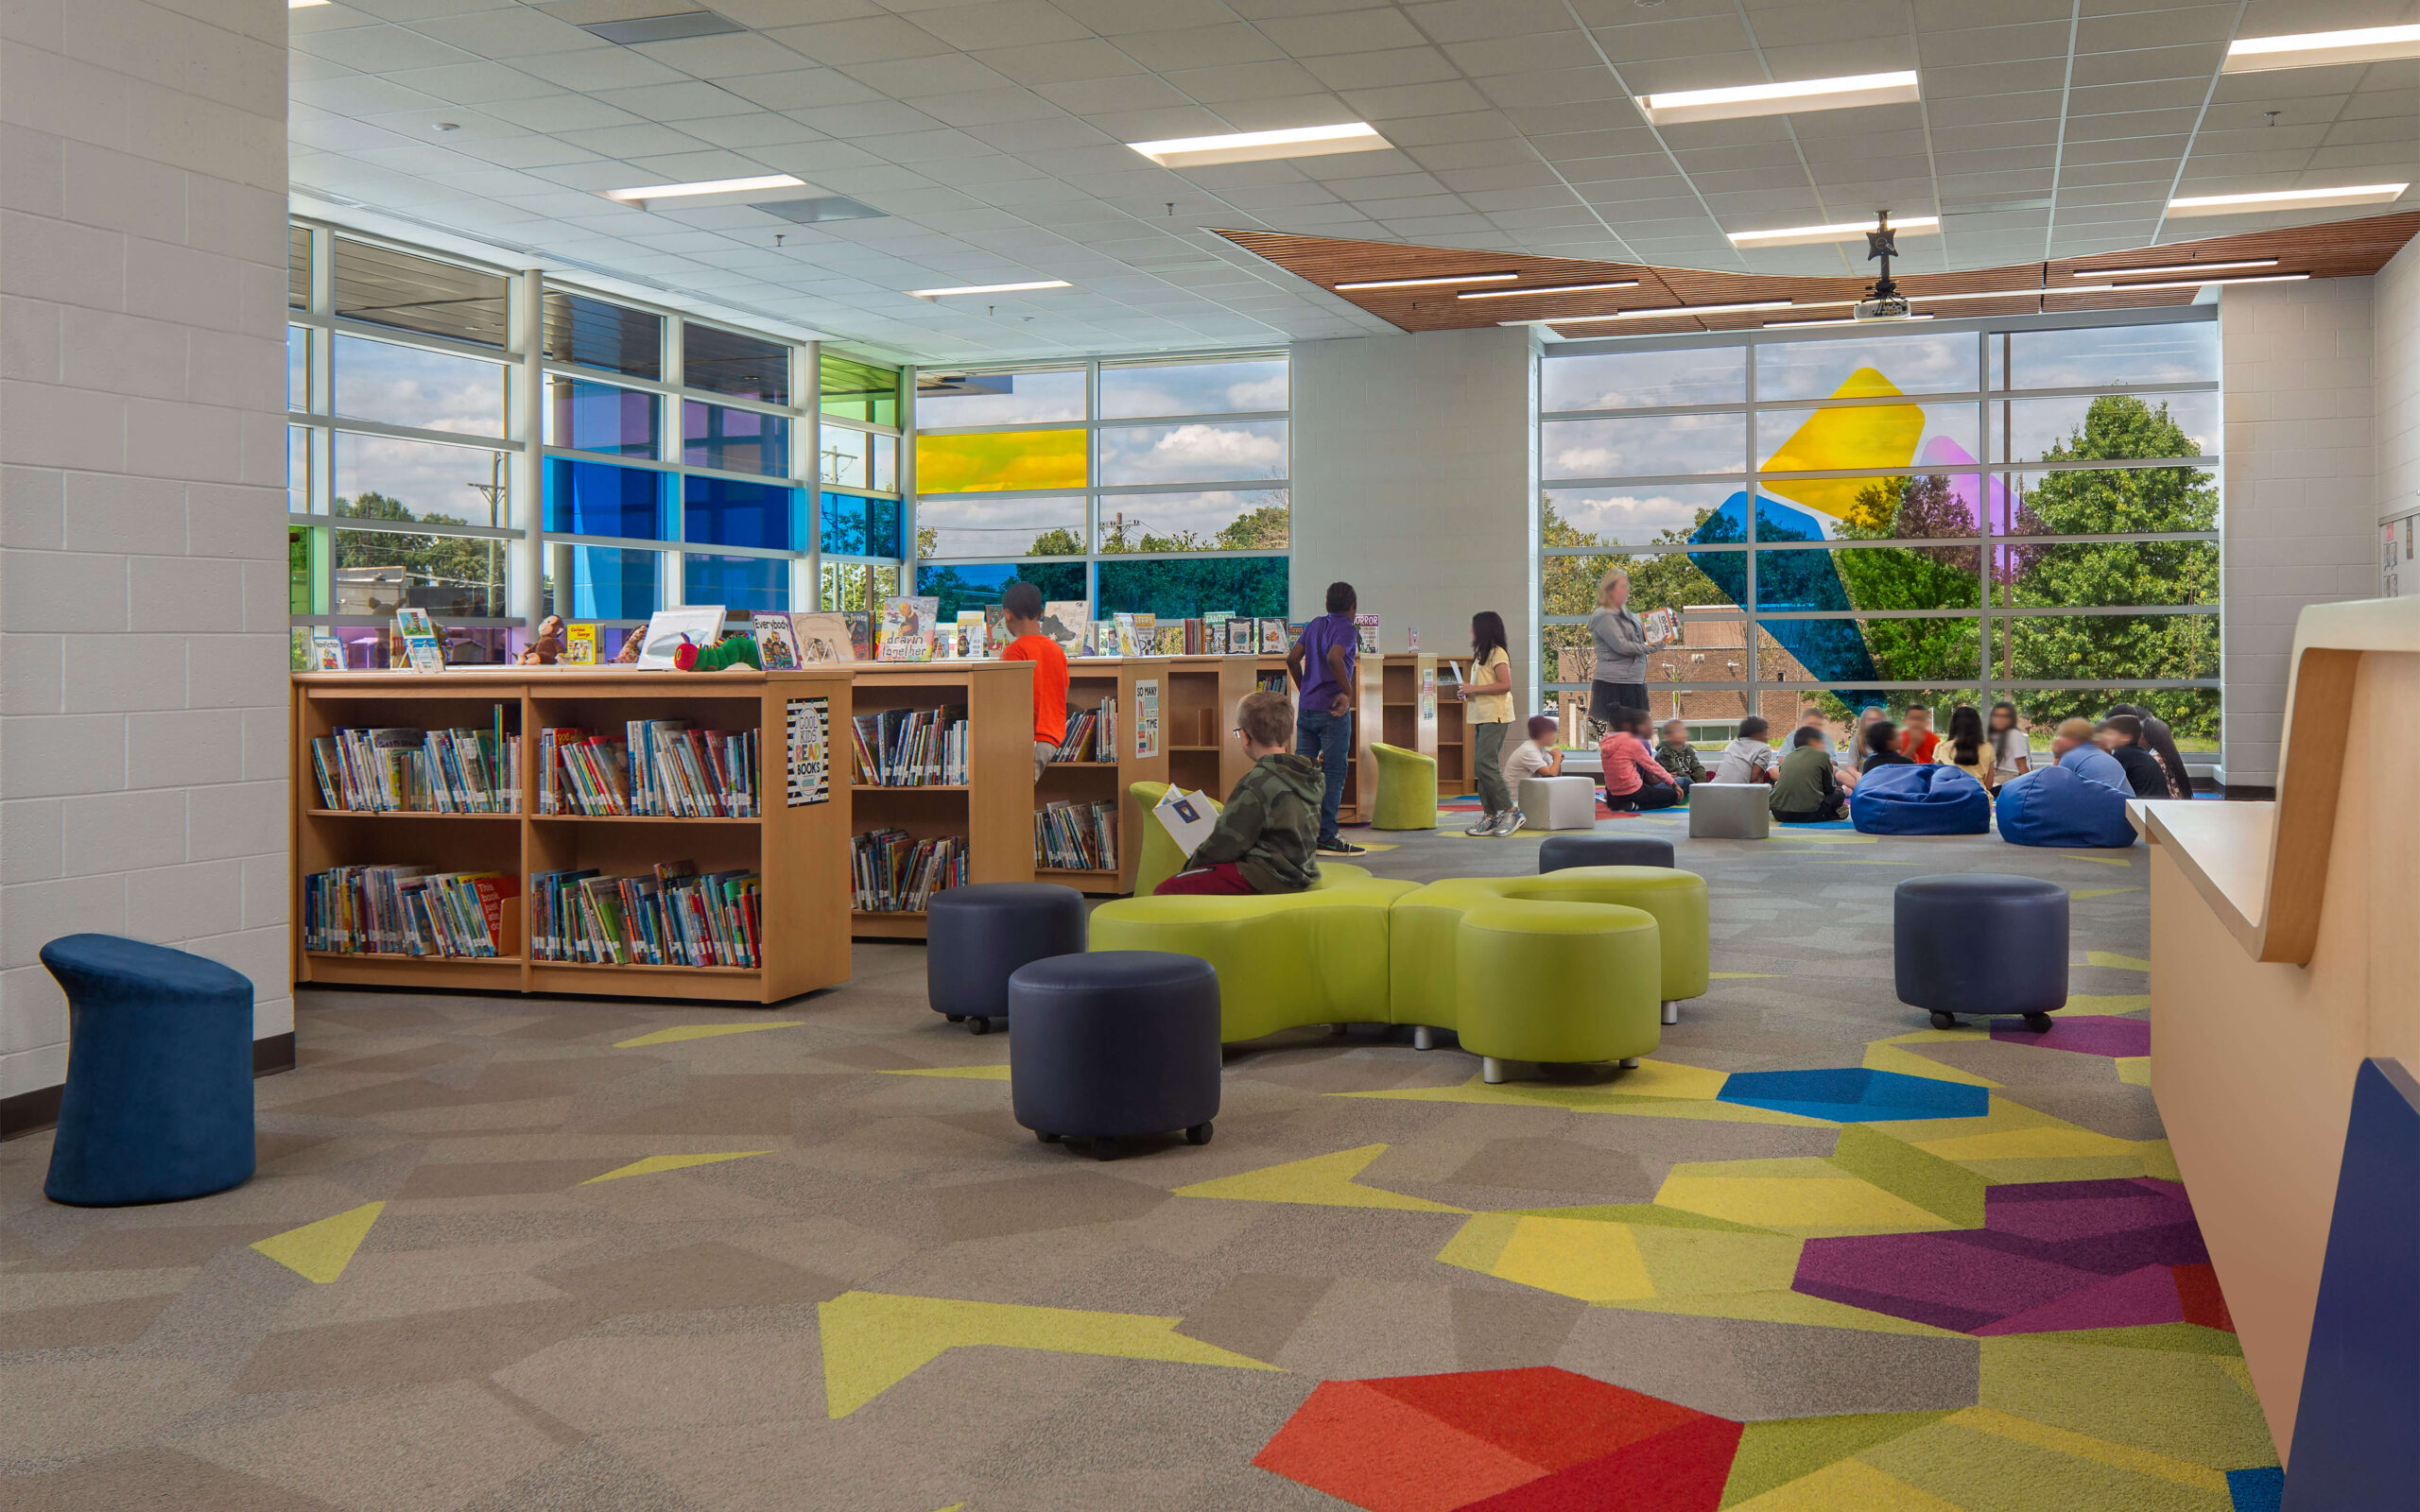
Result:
[[865, 391], [995, 460]]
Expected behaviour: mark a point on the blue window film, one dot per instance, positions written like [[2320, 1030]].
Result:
[[855, 525], [601, 417], [599, 499], [979, 585], [1184, 589], [612, 583], [740, 584], [725, 513], [736, 440]]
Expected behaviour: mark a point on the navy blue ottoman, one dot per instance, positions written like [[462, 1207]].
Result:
[[1979, 945], [158, 1105], [1115, 1043], [1558, 852], [976, 936]]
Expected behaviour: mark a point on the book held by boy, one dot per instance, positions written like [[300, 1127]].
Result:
[[1186, 817]]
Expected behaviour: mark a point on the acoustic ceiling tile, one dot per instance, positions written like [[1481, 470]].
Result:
[[1382, 69], [921, 78], [862, 39]]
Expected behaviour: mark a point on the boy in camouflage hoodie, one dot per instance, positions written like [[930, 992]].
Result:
[[1265, 836]]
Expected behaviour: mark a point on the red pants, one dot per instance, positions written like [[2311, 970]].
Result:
[[1217, 881]]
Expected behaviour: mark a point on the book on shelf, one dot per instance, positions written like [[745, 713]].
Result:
[[1365, 635], [1092, 734], [860, 624], [908, 629], [406, 910], [1066, 621], [678, 772], [401, 770], [1272, 637], [580, 647], [894, 873], [823, 639], [669, 916], [910, 747], [1102, 640], [1070, 836], [776, 639], [1173, 635], [327, 654]]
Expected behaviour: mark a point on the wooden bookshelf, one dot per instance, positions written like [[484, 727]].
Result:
[[1455, 759], [1408, 710], [800, 852], [1090, 680], [993, 811]]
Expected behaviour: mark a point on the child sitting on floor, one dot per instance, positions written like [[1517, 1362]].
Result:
[[1265, 836], [1674, 753], [1632, 778], [1808, 791]]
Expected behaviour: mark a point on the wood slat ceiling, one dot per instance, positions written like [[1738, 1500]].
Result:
[[2344, 248]]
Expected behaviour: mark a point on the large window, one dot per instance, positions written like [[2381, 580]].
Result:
[[2025, 511], [1159, 487]]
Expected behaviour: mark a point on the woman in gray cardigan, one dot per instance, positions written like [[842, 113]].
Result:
[[1620, 680]]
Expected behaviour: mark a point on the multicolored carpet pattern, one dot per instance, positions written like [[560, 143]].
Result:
[[1811, 1256]]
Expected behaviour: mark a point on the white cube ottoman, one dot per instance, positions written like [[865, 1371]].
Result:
[[1730, 811], [1557, 802]]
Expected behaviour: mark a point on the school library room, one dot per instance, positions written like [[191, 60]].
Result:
[[1210, 755]]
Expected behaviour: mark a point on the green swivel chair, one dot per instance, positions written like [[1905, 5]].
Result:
[[1407, 789]]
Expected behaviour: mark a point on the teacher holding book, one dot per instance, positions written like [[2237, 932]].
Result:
[[1620, 680]]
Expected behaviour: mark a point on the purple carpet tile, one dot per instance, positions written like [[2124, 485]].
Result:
[[2089, 1036]]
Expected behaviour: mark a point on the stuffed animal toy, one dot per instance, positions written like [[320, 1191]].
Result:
[[733, 652], [547, 646]]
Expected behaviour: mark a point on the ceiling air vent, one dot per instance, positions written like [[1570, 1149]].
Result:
[[821, 208], [670, 28]]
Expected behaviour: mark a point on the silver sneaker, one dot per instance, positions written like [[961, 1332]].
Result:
[[1508, 823], [1486, 824]]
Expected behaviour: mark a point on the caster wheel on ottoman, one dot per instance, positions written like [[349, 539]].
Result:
[[977, 935], [1115, 1043], [1198, 1134], [1977, 946]]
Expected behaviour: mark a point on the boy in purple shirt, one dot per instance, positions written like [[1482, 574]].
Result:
[[1321, 665]]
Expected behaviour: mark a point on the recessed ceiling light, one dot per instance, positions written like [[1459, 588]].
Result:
[[993, 288], [1653, 312], [2358, 193], [1548, 288], [1257, 146], [304, 5], [2189, 282], [1424, 283], [1808, 235], [1778, 100], [709, 192], [2313, 49], [2172, 267]]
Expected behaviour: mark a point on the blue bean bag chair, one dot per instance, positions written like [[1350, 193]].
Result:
[[1920, 800], [2055, 806]]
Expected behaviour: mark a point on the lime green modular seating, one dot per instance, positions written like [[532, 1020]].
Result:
[[1407, 789], [1566, 967], [1158, 859]]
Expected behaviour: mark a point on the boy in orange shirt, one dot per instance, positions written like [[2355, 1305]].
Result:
[[1021, 602]]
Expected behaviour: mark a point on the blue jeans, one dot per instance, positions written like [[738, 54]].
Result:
[[1329, 737]]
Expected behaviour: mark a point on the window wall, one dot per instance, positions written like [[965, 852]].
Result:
[[642, 459], [1939, 513], [1159, 487]]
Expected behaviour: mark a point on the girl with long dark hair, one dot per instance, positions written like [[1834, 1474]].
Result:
[[1487, 703], [2012, 749], [1966, 748]]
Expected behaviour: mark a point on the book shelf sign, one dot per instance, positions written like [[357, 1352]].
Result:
[[1147, 718], [809, 752], [1429, 695]]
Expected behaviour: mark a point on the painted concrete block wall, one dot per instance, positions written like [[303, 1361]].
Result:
[[1414, 470], [143, 608], [2300, 510], [2395, 375]]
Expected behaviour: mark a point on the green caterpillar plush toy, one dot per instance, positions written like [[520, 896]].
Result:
[[732, 651]]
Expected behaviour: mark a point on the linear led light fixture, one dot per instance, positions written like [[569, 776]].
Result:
[[993, 288], [698, 196], [1259, 147], [1548, 288], [1842, 320], [1424, 283], [1653, 312], [304, 5], [1809, 235], [2314, 49], [1779, 99], [2175, 267], [2356, 194], [2186, 284]]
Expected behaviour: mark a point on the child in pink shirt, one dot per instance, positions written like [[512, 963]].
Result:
[[1633, 780]]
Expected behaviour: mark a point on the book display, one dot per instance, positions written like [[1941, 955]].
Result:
[[411, 770], [1083, 819], [942, 791], [912, 747]]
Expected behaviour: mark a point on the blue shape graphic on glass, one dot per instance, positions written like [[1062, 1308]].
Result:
[[1833, 650]]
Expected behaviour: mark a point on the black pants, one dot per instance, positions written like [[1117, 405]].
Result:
[[1652, 796], [1833, 808]]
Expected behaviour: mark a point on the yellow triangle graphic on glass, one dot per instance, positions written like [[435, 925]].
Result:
[[320, 1251], [701, 1031], [964, 1072], [872, 1341], [669, 1163], [1882, 437], [1323, 1181], [2111, 958]]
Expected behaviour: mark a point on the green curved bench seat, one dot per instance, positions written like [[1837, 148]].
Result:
[[1556, 982], [1159, 860]]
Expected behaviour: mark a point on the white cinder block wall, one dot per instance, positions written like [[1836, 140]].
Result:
[[143, 607], [2395, 370], [1414, 467], [2300, 514]]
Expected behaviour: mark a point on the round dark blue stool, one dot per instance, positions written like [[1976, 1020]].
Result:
[[158, 1105], [1979, 945], [976, 936], [1558, 852], [1112, 1044]]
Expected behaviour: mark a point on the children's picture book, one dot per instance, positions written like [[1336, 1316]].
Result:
[[1124, 629], [908, 629], [995, 629], [776, 640], [668, 629], [1171, 638], [327, 654], [860, 624], [1243, 637], [1365, 631], [822, 640], [410, 622], [1663, 627], [1187, 818], [1065, 621], [1104, 639], [973, 633], [579, 645], [1272, 638], [425, 653]]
